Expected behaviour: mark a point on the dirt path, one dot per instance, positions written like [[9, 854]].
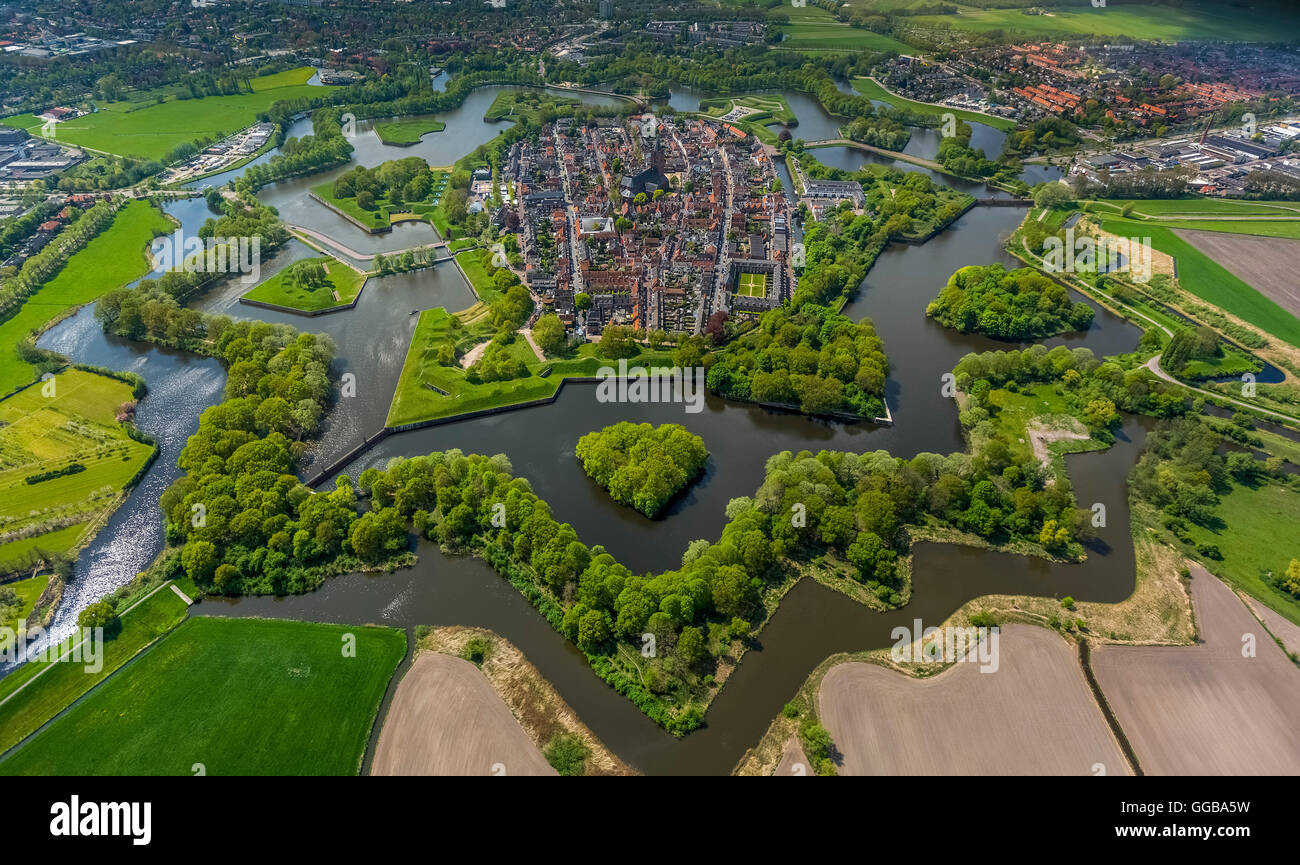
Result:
[[471, 357], [1207, 709], [1154, 365], [446, 719], [1281, 627], [528, 335], [1040, 437], [1034, 716], [793, 762]]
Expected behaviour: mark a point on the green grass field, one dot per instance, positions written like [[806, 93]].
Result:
[[407, 131], [109, 261], [150, 130], [28, 591], [54, 686], [414, 400], [239, 696], [751, 284], [1258, 536], [385, 214], [345, 283], [17, 554], [870, 89], [1158, 207], [1205, 278], [813, 29], [1191, 19], [73, 425]]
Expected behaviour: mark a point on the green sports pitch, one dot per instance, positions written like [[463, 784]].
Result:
[[751, 284]]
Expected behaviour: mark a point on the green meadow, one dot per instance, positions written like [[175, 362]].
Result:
[[112, 259], [813, 29], [870, 89], [238, 696], [405, 132], [146, 129], [344, 286]]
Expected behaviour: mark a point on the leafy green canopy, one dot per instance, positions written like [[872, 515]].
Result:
[[1020, 304], [641, 465]]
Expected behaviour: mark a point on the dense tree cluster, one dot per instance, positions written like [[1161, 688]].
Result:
[[245, 522], [42, 266], [1021, 304], [324, 148], [1181, 470], [809, 357], [1189, 344], [498, 362], [1084, 378], [397, 181], [642, 465]]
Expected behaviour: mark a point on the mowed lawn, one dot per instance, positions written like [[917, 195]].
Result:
[[407, 131], [751, 284], [28, 592], [1210, 281], [74, 426], [150, 130], [239, 696], [344, 286], [112, 259], [1258, 536]]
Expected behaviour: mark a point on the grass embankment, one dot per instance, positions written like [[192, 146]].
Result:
[[514, 104], [872, 90], [64, 458], [55, 685], [239, 696], [144, 128], [407, 132], [415, 399], [112, 259], [383, 214], [344, 284], [1210, 281]]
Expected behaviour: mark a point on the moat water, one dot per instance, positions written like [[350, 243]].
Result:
[[812, 621]]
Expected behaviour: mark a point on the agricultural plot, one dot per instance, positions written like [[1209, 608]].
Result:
[[1266, 263], [812, 30], [64, 457], [146, 129], [239, 696]]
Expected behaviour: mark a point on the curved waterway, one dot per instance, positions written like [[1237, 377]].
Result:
[[812, 621]]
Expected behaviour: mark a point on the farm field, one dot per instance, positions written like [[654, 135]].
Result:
[[72, 435], [1158, 207], [1210, 281], [1207, 709], [407, 131], [240, 696], [870, 89], [16, 555], [1265, 263], [1035, 715], [812, 29], [1195, 20], [344, 286], [54, 686], [145, 129], [112, 259], [446, 719]]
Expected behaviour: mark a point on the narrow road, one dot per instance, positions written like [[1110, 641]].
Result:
[[1154, 365]]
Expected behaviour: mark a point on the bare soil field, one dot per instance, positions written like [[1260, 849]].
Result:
[[1206, 709], [446, 719], [1266, 263], [1034, 716], [1281, 627], [793, 762]]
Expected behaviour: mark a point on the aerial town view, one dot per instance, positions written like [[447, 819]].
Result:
[[649, 387]]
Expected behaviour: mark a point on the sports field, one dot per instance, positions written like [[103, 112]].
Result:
[[146, 129], [236, 696], [752, 284]]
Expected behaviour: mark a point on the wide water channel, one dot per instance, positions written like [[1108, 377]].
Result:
[[812, 621]]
